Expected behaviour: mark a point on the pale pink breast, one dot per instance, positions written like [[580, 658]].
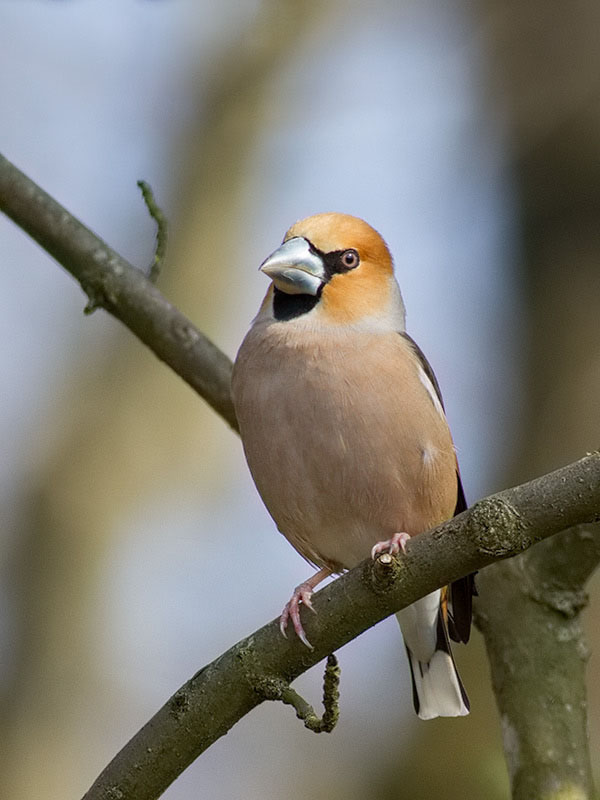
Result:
[[342, 439]]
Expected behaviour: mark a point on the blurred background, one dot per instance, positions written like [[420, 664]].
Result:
[[133, 546]]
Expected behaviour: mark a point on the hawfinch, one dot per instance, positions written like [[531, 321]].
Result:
[[345, 434]]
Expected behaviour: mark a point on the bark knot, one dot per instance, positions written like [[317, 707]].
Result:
[[497, 528]]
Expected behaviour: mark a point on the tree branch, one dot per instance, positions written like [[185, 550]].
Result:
[[258, 667], [123, 290], [159, 217], [209, 704], [331, 697]]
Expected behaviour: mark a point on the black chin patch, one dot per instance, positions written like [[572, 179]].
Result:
[[289, 306]]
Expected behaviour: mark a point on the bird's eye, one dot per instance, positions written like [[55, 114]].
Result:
[[350, 259]]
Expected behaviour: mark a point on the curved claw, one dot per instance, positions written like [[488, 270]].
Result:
[[392, 546], [302, 594]]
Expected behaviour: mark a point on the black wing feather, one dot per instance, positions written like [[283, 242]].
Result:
[[462, 591]]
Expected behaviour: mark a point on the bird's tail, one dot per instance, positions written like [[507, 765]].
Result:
[[437, 687]]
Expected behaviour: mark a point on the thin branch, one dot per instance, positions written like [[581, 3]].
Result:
[[159, 217], [123, 290], [331, 697]]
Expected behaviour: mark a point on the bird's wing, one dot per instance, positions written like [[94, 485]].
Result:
[[462, 591]]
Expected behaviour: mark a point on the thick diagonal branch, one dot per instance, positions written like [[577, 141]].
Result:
[[209, 704]]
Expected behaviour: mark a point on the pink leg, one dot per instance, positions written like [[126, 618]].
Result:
[[393, 545], [302, 594]]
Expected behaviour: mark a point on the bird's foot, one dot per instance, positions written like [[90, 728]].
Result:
[[392, 546], [301, 594]]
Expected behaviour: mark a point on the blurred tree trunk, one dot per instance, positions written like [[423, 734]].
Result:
[[548, 66], [125, 428], [545, 68]]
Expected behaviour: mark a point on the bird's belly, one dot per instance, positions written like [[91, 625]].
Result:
[[332, 497], [337, 467]]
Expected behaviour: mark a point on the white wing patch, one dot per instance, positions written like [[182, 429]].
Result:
[[429, 455], [423, 377]]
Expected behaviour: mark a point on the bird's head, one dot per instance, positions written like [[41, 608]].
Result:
[[336, 268]]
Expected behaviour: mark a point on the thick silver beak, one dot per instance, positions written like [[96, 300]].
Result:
[[294, 269]]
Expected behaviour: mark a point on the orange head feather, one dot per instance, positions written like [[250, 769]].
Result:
[[365, 292]]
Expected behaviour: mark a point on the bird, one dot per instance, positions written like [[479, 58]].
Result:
[[344, 431]]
